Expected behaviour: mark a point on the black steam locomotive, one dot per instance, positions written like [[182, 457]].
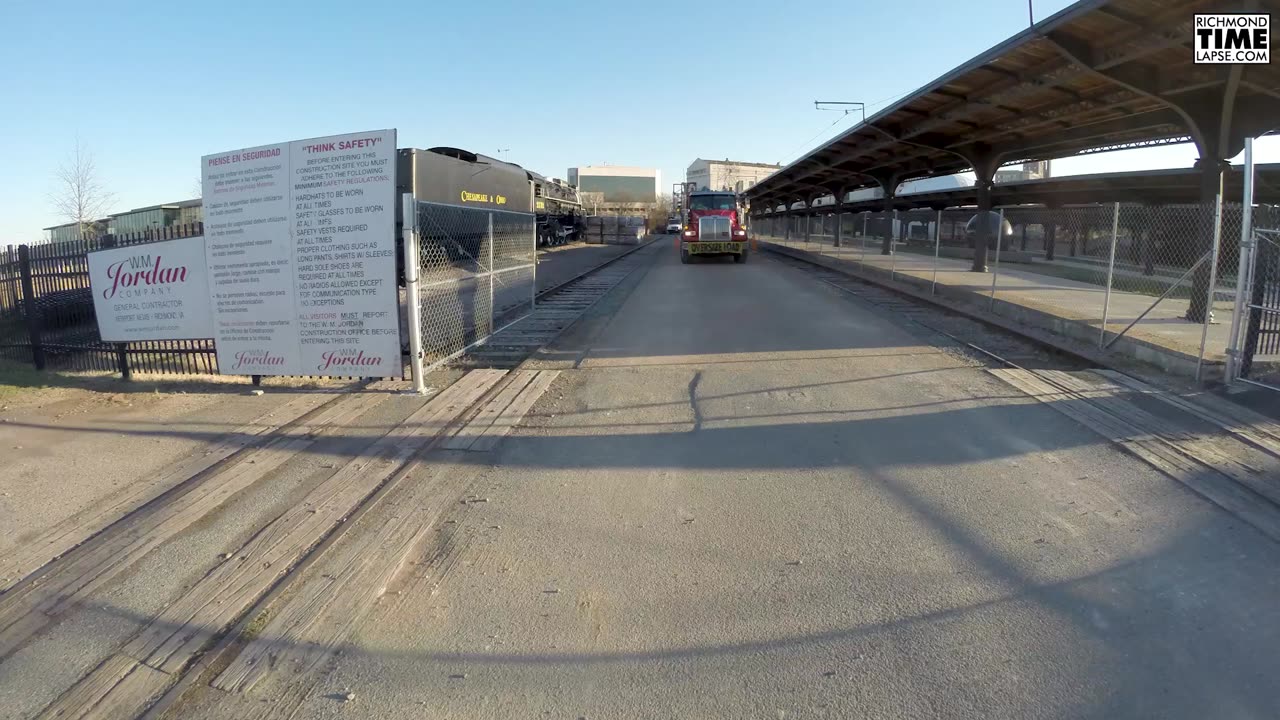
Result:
[[451, 176]]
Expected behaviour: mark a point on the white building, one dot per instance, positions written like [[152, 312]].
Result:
[[726, 174], [1038, 170]]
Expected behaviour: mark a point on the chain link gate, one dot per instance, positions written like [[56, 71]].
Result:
[[468, 273], [1260, 355]]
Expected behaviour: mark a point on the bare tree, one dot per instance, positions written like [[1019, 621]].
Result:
[[197, 188], [79, 196], [661, 210]]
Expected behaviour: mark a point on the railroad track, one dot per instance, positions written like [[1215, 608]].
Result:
[[160, 657], [991, 343], [1225, 453], [556, 308]]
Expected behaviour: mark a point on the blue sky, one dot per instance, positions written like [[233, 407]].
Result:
[[149, 87]]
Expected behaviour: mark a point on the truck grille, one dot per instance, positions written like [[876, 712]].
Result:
[[714, 228]]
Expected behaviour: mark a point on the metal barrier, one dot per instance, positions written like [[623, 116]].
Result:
[[1260, 352], [469, 271], [47, 317]]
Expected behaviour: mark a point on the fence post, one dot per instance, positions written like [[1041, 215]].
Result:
[[1213, 281], [1111, 269], [122, 361], [995, 271], [862, 255], [893, 251], [937, 245], [491, 275], [34, 325], [533, 285], [413, 306], [1246, 263]]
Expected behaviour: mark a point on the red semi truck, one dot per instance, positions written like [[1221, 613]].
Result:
[[713, 226]]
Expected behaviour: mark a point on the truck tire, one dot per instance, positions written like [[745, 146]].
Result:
[[684, 257], [740, 257]]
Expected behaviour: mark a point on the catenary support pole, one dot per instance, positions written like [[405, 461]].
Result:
[[893, 260], [995, 270], [937, 245]]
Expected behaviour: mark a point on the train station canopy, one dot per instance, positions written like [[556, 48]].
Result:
[[1099, 75], [1147, 187]]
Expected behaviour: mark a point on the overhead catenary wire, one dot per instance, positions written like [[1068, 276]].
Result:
[[868, 106], [811, 138]]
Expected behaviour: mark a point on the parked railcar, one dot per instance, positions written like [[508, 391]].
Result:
[[461, 179]]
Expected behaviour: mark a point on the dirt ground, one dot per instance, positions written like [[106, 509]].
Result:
[[71, 441]]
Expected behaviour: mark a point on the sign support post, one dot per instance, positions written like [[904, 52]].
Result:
[[409, 224], [492, 277]]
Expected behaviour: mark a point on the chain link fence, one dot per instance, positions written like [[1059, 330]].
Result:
[[1102, 272], [476, 270]]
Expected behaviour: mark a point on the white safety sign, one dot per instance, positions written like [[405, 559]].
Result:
[[300, 240]]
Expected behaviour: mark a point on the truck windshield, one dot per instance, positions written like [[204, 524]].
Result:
[[712, 202]]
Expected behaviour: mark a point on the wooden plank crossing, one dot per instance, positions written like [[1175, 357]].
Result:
[[527, 341], [515, 412], [86, 699], [317, 619], [1221, 453], [468, 433], [187, 627], [1166, 454], [62, 537], [1253, 428], [62, 584]]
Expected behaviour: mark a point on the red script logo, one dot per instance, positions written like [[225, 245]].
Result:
[[142, 271], [256, 358], [330, 359]]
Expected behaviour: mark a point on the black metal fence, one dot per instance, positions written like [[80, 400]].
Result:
[[1260, 358], [47, 316]]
